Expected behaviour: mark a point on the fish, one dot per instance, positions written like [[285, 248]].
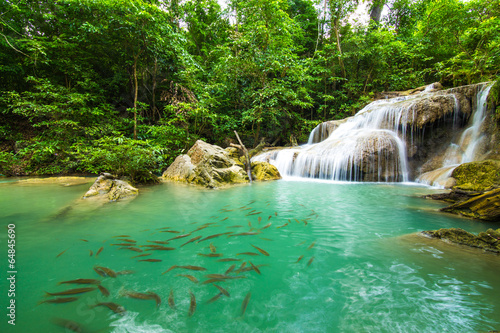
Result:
[[121, 236], [155, 297], [212, 248], [222, 290], [58, 300], [151, 260], [60, 254], [213, 299], [266, 226], [241, 267], [275, 213], [127, 240], [228, 259], [261, 250], [191, 240], [192, 306], [235, 226], [281, 226], [190, 277], [141, 255], [104, 271], [224, 277], [256, 213], [297, 221], [120, 244], [269, 217], [83, 240], [136, 249], [103, 290], [266, 239], [171, 231], [180, 236], [310, 261], [171, 301], [259, 219], [82, 281], [151, 246], [68, 325], [163, 228], [245, 303], [247, 269], [312, 245], [230, 269], [135, 294], [210, 254], [254, 267], [158, 242], [71, 291], [247, 254], [116, 308], [91, 253], [224, 219], [193, 268], [99, 251], [200, 228], [216, 235], [245, 234], [249, 224], [300, 258], [126, 272], [305, 222], [161, 248]]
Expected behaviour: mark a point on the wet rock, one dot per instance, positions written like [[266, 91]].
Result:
[[488, 240], [482, 207], [477, 176], [108, 188], [264, 171]]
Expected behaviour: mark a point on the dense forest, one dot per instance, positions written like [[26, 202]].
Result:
[[125, 86]]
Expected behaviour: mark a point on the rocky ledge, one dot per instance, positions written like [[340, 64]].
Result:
[[487, 241], [107, 187], [212, 166]]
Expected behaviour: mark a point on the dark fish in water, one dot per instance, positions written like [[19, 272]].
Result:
[[127, 240], [256, 213], [245, 234], [281, 226], [224, 219], [249, 224], [171, 268], [312, 245], [235, 226], [171, 231], [158, 242], [125, 272], [213, 299], [247, 254], [121, 236], [254, 267], [266, 239], [191, 240], [259, 219], [99, 251], [192, 306], [83, 240], [136, 249], [266, 226], [228, 259], [82, 281], [120, 244], [310, 261], [247, 269], [222, 290], [269, 217], [210, 254], [212, 281], [59, 300], [151, 246], [71, 291], [141, 255], [230, 269], [116, 308], [104, 291], [193, 268], [180, 236], [161, 248], [300, 258], [163, 228], [212, 248], [104, 271], [61, 253], [135, 294], [261, 250], [216, 235], [241, 267], [275, 213], [68, 325], [190, 277], [155, 297], [305, 222], [200, 228], [91, 253], [224, 277], [297, 221], [245, 303], [171, 301], [151, 260]]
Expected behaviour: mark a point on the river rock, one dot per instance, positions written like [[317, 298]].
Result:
[[264, 171], [108, 188], [485, 206], [477, 176], [488, 241]]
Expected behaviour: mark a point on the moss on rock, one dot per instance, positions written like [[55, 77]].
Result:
[[264, 171], [477, 176], [488, 240]]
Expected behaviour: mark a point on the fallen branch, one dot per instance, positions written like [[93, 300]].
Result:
[[245, 151]]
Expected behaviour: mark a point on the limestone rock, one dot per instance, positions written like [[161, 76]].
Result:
[[477, 176], [206, 165], [105, 187], [488, 241], [264, 171], [483, 207]]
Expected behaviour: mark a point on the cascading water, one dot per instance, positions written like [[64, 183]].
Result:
[[372, 145]]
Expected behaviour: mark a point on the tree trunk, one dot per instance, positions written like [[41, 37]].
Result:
[[136, 92], [247, 157], [376, 10], [336, 28]]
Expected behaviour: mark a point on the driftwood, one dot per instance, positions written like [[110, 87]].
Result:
[[242, 147]]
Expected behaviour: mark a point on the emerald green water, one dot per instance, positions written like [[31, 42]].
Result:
[[367, 274]]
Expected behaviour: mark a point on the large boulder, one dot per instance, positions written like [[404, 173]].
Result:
[[108, 188], [264, 171], [477, 176], [488, 240], [206, 165]]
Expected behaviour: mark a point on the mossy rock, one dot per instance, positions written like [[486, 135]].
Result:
[[264, 171], [477, 176], [483, 207], [488, 240]]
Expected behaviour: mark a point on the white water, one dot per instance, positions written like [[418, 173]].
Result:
[[371, 146]]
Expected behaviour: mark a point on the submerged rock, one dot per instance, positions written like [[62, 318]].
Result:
[[211, 166], [108, 188], [488, 241]]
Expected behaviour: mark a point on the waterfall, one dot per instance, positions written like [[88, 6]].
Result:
[[372, 145]]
